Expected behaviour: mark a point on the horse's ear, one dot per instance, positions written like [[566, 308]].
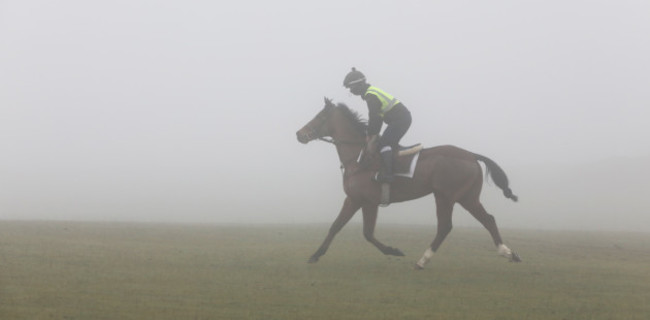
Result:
[[328, 102]]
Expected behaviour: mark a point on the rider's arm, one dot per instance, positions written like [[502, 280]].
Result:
[[374, 119]]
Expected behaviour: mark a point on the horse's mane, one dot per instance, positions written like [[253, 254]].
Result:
[[354, 117]]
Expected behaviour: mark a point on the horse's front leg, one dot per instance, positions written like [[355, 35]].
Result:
[[350, 207], [369, 223]]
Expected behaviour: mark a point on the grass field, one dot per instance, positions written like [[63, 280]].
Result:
[[66, 270]]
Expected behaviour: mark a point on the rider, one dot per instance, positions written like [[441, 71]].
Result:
[[382, 107]]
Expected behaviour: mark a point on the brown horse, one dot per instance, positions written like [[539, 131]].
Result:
[[452, 174]]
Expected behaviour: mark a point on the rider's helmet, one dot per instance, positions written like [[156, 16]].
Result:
[[353, 77]]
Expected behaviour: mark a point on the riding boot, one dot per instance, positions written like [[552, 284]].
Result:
[[386, 173]]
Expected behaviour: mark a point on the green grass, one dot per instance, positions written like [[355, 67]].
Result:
[[140, 271]]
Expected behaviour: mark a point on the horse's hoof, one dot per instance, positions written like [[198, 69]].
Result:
[[515, 257], [313, 260], [417, 267], [395, 252]]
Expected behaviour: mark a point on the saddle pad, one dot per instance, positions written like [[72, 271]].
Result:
[[405, 165]]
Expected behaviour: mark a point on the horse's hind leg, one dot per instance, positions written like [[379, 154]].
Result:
[[369, 222], [487, 220], [444, 208]]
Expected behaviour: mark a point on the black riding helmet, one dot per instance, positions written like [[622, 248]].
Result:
[[353, 77]]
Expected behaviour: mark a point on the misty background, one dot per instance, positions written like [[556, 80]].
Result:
[[186, 111]]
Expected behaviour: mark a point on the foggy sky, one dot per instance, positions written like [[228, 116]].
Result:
[[186, 111]]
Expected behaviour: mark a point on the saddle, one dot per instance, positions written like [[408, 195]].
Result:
[[404, 160], [406, 151]]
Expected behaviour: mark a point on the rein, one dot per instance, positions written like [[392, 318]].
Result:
[[337, 142], [358, 160]]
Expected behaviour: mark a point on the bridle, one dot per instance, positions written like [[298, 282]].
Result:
[[318, 122], [313, 133]]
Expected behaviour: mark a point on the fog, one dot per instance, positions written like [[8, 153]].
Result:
[[186, 111]]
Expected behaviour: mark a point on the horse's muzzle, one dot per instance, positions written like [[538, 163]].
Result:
[[303, 137]]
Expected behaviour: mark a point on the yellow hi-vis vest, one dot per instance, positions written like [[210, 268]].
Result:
[[387, 101]]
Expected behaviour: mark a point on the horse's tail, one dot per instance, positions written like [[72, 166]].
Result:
[[498, 176]]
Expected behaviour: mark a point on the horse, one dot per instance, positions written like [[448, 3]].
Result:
[[451, 174]]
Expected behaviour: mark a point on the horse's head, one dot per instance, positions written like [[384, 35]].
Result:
[[316, 128]]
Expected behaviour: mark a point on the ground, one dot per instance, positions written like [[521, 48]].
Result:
[[72, 270]]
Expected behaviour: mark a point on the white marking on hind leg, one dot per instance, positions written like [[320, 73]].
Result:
[[428, 254], [504, 251]]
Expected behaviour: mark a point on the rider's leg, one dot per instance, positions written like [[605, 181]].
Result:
[[387, 164]]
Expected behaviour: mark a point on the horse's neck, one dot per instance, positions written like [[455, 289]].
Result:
[[349, 147], [348, 153], [350, 142]]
